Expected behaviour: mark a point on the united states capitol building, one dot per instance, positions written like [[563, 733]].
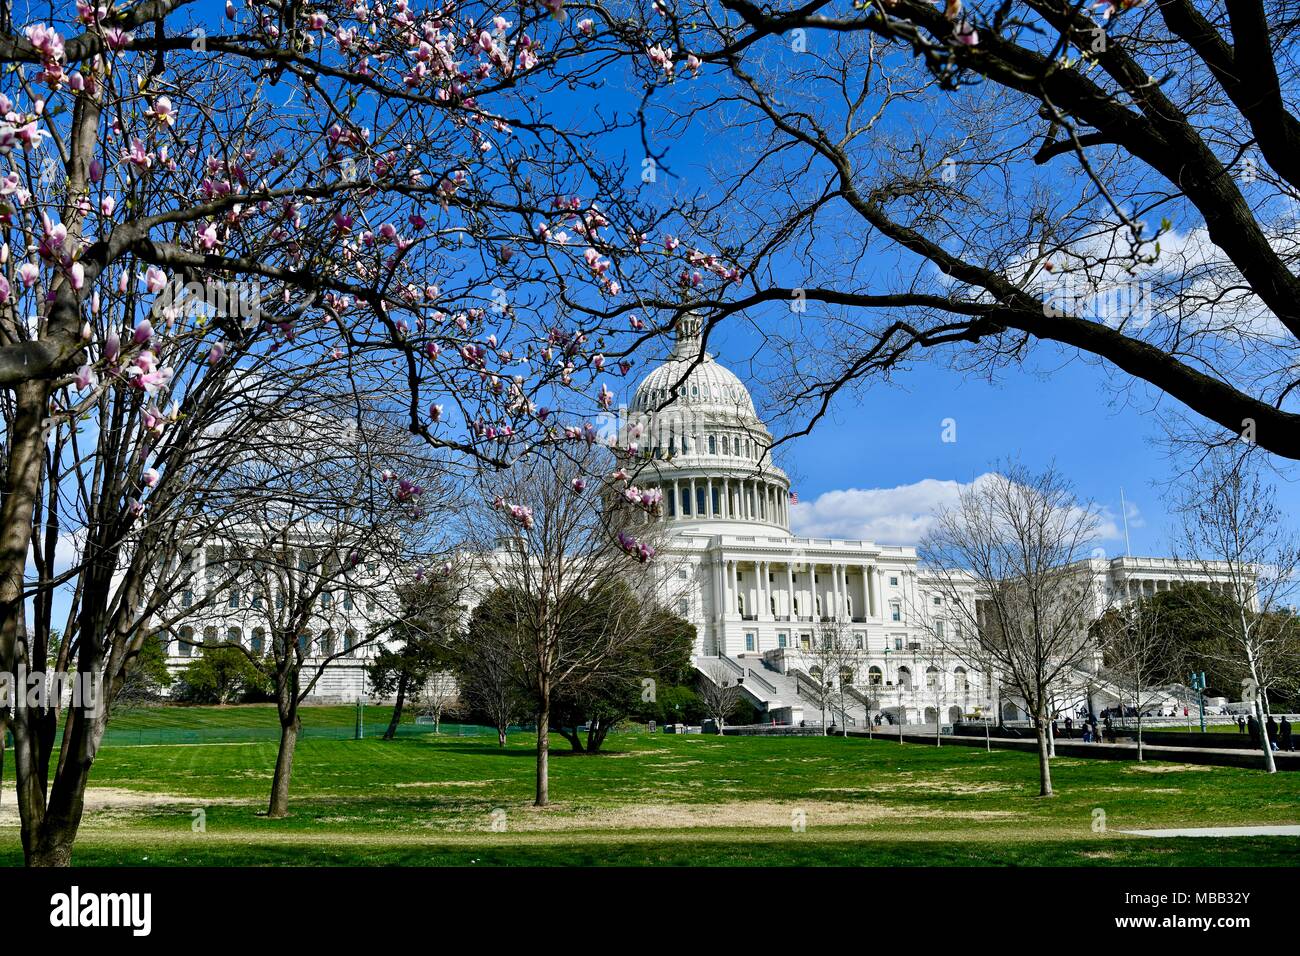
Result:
[[765, 602]]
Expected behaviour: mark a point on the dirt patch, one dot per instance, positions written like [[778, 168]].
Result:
[[446, 783], [1167, 767], [737, 814], [109, 803], [929, 786]]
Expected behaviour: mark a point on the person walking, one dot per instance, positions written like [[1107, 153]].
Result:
[[1286, 739], [1271, 727], [1252, 727], [1241, 725], [1069, 728]]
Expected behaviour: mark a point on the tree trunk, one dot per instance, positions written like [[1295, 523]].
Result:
[[284, 767], [391, 732], [1044, 760], [1139, 729], [1270, 765], [501, 735], [543, 751]]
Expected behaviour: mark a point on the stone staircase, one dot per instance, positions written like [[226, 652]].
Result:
[[791, 697]]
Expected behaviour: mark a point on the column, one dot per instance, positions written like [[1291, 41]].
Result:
[[735, 587], [708, 503], [835, 590], [677, 500], [693, 502], [873, 582], [789, 584]]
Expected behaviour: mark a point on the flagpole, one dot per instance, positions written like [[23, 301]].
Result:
[[1123, 508]]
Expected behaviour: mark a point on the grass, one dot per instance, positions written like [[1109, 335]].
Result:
[[663, 800]]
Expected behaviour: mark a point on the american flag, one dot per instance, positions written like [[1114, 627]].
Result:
[[794, 497]]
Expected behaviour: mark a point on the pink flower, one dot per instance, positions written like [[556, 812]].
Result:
[[143, 332], [112, 346], [207, 237], [230, 10], [216, 353], [435, 413], [579, 485], [106, 206], [154, 280], [28, 273], [4, 290], [85, 378], [162, 111], [151, 477]]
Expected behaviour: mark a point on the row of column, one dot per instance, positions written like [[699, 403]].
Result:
[[838, 592], [730, 498]]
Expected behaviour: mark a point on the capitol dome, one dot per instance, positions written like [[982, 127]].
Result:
[[705, 448]]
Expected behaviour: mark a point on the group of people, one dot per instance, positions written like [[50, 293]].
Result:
[[1091, 732], [1279, 734]]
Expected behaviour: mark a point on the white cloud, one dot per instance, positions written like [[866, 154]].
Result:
[[903, 514]]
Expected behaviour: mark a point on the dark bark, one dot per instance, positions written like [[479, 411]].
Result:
[[543, 751], [1044, 760], [402, 680], [284, 767]]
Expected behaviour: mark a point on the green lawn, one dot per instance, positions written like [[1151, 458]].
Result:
[[669, 800]]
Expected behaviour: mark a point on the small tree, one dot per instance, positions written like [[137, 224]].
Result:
[[1137, 650], [1234, 531], [221, 675], [423, 637], [832, 657], [491, 679], [1018, 539], [548, 542], [719, 691]]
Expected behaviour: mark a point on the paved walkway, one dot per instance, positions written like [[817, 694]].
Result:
[[1285, 830]]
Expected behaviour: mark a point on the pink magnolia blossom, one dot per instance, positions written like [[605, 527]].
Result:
[[151, 477], [85, 378], [154, 280]]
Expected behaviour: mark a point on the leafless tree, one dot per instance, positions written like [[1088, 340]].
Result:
[[832, 660], [1234, 530], [719, 691], [1136, 648], [489, 677], [550, 541], [1017, 537]]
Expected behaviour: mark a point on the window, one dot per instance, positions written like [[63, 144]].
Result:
[[713, 444], [185, 647], [233, 600], [749, 641], [701, 502], [304, 644], [898, 642], [939, 631], [859, 641], [256, 600], [684, 573], [347, 600], [782, 639], [893, 581], [895, 611], [805, 641], [937, 600], [683, 606], [326, 599], [187, 598], [349, 642], [259, 641], [234, 636], [905, 678], [931, 678], [874, 677]]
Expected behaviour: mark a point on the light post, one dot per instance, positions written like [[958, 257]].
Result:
[[1198, 685]]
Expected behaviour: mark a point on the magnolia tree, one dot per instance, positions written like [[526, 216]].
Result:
[[965, 180], [184, 193]]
